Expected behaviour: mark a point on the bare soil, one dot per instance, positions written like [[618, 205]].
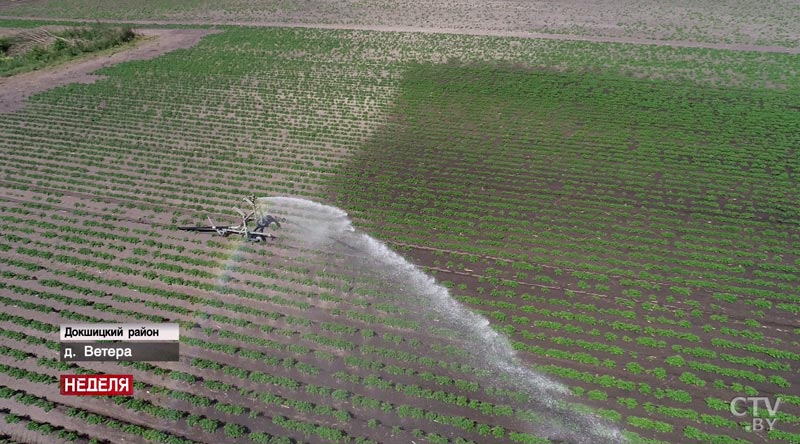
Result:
[[15, 89], [737, 21], [598, 38]]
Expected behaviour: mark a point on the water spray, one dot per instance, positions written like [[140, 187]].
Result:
[[328, 231]]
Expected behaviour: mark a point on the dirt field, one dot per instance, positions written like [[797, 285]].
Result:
[[738, 22], [634, 40], [15, 89]]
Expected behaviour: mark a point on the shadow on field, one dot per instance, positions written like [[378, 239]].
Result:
[[496, 160]]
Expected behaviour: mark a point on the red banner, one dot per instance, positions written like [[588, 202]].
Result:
[[96, 385]]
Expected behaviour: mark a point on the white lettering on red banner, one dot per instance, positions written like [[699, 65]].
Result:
[[97, 385]]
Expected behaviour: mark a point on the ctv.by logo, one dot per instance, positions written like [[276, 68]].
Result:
[[759, 423]]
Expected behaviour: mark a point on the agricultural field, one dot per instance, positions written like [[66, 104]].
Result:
[[735, 22], [613, 230]]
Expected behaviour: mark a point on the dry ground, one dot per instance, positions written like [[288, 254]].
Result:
[[636, 39], [737, 22]]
